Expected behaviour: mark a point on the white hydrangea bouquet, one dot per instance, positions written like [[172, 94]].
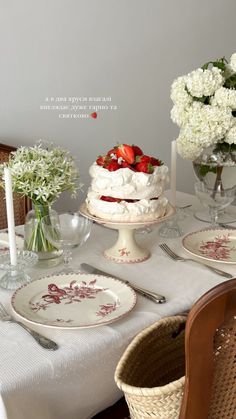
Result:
[[205, 108], [41, 172]]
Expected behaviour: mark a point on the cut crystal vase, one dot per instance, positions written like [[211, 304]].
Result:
[[215, 168]]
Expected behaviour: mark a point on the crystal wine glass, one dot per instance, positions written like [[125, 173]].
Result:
[[66, 231], [214, 199]]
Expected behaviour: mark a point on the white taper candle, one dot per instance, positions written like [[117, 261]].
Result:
[[173, 172], [10, 216]]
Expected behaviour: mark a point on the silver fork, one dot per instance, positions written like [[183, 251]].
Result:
[[42, 340], [176, 257]]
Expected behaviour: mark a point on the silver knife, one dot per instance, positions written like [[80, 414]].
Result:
[[156, 298]]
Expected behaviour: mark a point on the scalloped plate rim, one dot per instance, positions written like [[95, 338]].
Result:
[[48, 278], [210, 229]]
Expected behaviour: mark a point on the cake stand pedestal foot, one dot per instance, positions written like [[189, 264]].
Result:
[[126, 249]]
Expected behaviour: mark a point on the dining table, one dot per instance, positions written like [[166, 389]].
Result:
[[77, 380]]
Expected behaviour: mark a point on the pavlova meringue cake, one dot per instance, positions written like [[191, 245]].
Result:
[[127, 186]]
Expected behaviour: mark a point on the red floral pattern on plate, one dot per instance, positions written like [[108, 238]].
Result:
[[108, 308], [111, 300], [218, 248], [67, 294]]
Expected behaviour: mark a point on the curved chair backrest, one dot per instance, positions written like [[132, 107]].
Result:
[[21, 204], [210, 356]]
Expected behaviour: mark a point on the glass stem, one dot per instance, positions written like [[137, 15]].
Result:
[[67, 255], [214, 217]]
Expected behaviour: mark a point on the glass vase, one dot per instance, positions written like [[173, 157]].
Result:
[[216, 169], [35, 239]]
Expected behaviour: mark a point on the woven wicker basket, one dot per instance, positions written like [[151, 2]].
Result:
[[151, 370]]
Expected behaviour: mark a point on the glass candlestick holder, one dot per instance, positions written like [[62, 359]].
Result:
[[171, 228], [14, 275]]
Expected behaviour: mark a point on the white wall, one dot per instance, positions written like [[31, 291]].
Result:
[[130, 50]]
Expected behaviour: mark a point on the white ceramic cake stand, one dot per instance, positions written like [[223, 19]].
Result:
[[126, 249]]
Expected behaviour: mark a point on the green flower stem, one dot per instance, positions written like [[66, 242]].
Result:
[[38, 241]]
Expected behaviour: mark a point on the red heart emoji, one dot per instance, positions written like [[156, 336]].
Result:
[[94, 115]]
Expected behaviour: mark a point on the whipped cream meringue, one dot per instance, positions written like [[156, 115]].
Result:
[[125, 184], [139, 211], [128, 184]]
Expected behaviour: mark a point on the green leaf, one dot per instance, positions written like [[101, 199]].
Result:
[[205, 66], [203, 99], [204, 169], [219, 65], [225, 147], [230, 82]]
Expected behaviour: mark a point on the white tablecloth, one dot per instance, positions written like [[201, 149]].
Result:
[[77, 381]]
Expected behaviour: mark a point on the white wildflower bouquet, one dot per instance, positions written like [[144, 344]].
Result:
[[41, 172], [205, 108]]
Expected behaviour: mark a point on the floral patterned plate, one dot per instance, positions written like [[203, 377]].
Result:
[[74, 300], [214, 244], [4, 242]]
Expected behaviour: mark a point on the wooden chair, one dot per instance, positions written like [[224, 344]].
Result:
[[21, 204], [210, 347], [209, 389]]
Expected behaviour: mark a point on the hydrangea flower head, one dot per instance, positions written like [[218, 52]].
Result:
[[205, 107]]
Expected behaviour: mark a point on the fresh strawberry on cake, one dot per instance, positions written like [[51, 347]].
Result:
[[127, 186]]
